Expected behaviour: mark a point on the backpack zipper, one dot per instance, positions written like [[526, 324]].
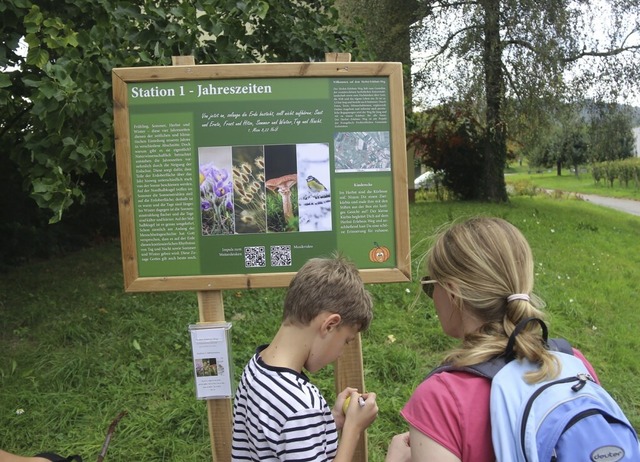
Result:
[[578, 417], [571, 423], [580, 378]]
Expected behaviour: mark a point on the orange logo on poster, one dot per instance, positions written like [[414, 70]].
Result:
[[379, 254]]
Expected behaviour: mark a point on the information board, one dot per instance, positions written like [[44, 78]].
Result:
[[233, 176]]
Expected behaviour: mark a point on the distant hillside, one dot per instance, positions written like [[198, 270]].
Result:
[[591, 107], [635, 111]]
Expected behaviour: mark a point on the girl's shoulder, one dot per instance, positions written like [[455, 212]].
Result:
[[459, 386]]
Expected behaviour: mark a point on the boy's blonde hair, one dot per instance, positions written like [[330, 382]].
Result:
[[328, 284], [480, 262]]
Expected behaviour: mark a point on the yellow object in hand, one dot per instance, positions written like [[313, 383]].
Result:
[[345, 405]]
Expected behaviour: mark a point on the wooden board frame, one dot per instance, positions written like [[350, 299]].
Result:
[[123, 77]]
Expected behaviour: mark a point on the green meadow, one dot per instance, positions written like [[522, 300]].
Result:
[[78, 350]]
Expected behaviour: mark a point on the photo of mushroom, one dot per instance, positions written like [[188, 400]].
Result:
[[314, 192], [282, 191], [249, 189], [216, 190], [362, 151]]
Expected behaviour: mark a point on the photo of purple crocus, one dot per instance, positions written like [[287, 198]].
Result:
[[216, 200]]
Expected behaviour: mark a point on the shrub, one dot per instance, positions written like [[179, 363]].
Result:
[[523, 188], [626, 171]]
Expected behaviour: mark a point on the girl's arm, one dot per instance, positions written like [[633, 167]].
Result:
[[424, 449], [6, 457]]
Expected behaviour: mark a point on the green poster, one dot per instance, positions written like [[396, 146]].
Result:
[[257, 175]]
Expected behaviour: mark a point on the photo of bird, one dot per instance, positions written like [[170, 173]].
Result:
[[314, 184]]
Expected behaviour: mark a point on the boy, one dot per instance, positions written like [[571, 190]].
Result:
[[278, 414]]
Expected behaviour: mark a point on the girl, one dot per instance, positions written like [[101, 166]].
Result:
[[480, 277]]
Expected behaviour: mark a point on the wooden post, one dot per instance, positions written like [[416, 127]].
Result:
[[183, 60], [220, 414], [348, 372], [348, 369], [337, 57], [211, 309]]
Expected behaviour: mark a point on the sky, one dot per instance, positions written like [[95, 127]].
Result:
[[595, 30]]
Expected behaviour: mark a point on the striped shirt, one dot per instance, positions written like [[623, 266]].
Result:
[[279, 415]]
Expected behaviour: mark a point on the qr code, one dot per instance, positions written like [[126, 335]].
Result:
[[280, 255], [255, 257]]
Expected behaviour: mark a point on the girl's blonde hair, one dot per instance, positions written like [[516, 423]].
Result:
[[479, 263]]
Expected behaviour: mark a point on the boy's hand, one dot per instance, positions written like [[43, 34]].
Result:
[[354, 422], [338, 415], [359, 415]]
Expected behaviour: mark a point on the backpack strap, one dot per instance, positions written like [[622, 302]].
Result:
[[53, 457], [491, 367], [561, 345], [488, 369]]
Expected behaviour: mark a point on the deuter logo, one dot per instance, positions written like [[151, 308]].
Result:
[[607, 454]]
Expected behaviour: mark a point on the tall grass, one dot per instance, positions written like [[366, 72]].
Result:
[[77, 350]]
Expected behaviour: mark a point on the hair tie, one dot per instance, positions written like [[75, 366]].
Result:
[[513, 297]]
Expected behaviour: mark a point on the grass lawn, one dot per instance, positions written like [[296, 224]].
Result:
[[77, 350]]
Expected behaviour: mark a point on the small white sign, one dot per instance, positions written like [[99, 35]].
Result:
[[210, 344]]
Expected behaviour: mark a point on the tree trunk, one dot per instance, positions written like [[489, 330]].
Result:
[[495, 147]]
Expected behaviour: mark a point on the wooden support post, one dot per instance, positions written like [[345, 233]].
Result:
[[337, 57], [183, 60], [348, 372], [219, 410]]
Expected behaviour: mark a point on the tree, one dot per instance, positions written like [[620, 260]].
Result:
[[56, 122], [563, 140], [573, 149], [610, 133], [449, 141], [523, 50]]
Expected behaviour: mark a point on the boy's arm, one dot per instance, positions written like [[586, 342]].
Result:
[[348, 443], [357, 420]]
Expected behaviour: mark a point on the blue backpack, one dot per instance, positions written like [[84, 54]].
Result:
[[568, 419]]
